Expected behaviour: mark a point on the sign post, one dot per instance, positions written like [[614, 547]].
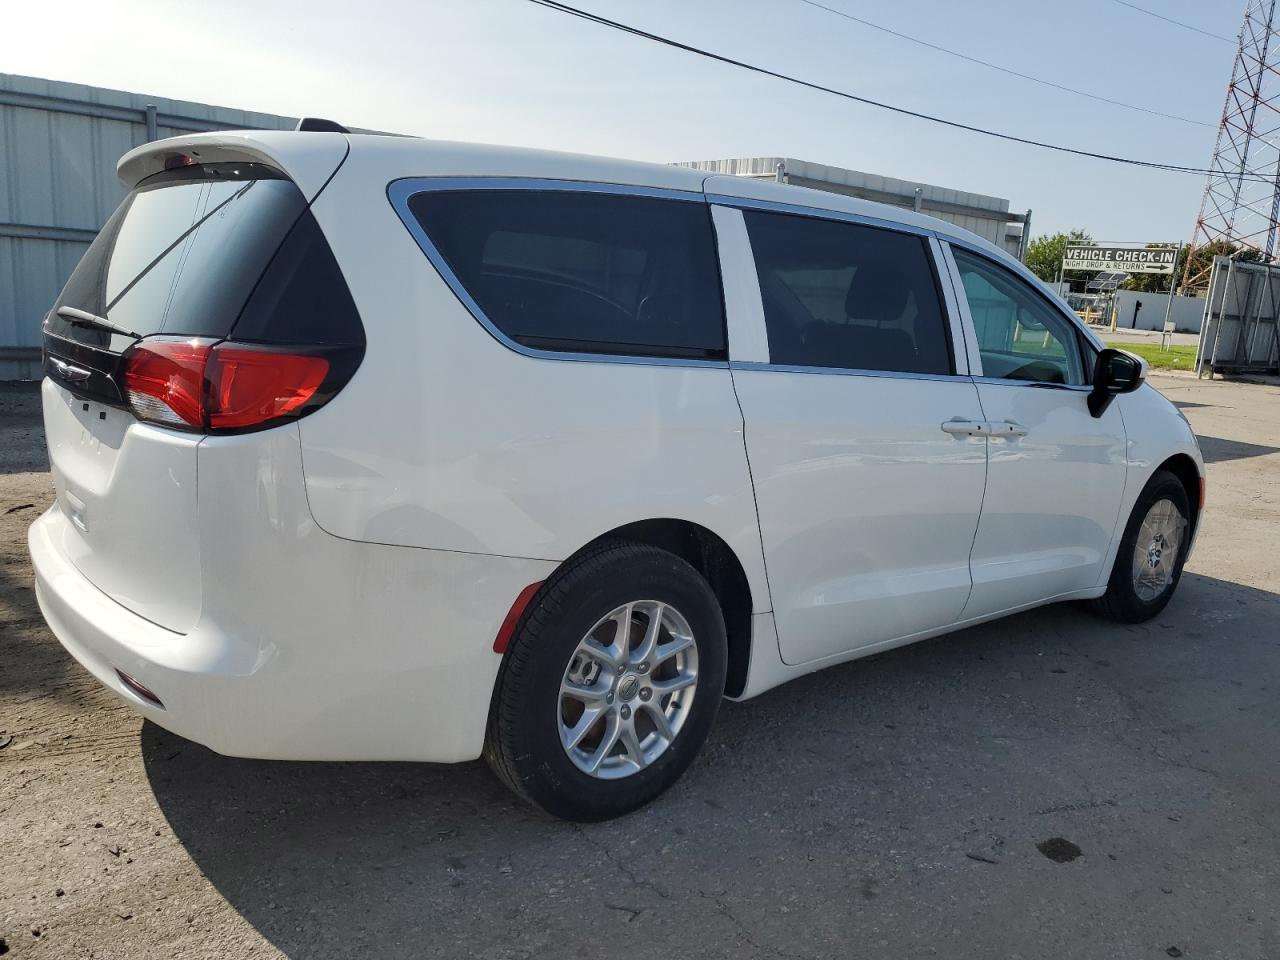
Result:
[[1166, 332]]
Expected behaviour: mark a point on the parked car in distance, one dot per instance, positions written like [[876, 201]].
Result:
[[373, 448]]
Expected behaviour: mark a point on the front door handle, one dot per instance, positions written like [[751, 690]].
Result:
[[958, 427], [1007, 428]]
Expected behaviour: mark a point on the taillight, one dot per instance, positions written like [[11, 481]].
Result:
[[249, 387], [204, 385], [164, 381]]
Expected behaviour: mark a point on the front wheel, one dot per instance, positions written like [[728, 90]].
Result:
[[1149, 560], [610, 685]]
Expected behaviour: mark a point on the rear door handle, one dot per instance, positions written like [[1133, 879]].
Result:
[[1007, 428], [965, 428]]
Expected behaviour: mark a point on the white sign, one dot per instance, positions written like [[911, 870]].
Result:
[[1124, 259]]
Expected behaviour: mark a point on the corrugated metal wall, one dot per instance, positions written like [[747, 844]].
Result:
[[59, 143], [988, 217]]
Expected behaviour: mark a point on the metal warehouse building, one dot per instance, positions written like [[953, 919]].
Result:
[[988, 217], [59, 143]]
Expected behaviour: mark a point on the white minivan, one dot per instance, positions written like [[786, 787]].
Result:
[[375, 448]]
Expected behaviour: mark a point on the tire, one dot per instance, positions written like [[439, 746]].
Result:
[[1125, 600], [530, 714]]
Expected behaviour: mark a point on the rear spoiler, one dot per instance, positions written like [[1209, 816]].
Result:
[[309, 159]]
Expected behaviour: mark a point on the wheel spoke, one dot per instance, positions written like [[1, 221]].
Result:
[[677, 643], [621, 646], [650, 641], [613, 655], [632, 744], [595, 693], [675, 684], [660, 722], [572, 736], [613, 727]]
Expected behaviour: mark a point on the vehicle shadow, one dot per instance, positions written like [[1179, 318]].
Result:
[[838, 788], [1219, 449]]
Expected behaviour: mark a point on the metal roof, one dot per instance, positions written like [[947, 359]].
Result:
[[987, 216]]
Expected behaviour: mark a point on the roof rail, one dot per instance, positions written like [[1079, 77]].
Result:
[[320, 125]]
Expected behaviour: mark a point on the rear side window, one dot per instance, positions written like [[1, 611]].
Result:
[[589, 272], [302, 296], [845, 295]]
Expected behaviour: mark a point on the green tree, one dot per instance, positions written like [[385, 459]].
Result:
[[1044, 255], [1157, 282]]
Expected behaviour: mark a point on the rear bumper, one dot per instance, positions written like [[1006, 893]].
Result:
[[104, 636], [308, 647]]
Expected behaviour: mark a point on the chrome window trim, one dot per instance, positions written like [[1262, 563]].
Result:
[[846, 371], [400, 192], [1035, 384], [821, 213]]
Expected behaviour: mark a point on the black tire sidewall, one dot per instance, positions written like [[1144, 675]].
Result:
[[587, 594], [1121, 595]]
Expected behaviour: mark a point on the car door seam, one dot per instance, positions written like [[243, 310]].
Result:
[[746, 454], [1117, 529], [982, 501]]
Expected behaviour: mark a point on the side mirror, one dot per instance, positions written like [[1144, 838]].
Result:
[[1116, 372]]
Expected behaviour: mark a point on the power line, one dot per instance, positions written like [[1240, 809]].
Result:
[[1176, 23], [765, 71], [995, 66]]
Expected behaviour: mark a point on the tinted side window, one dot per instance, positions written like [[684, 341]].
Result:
[[563, 270], [302, 296], [1020, 336], [844, 295]]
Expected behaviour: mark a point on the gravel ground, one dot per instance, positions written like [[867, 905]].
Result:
[[1052, 785]]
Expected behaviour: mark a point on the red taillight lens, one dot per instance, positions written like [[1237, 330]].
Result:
[[164, 381], [218, 386], [248, 387]]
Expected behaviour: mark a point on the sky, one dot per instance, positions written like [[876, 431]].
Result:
[[508, 71]]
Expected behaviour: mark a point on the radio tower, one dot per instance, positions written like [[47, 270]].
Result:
[[1242, 194]]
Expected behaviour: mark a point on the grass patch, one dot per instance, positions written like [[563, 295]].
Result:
[[1178, 357]]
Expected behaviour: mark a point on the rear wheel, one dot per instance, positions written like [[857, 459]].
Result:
[[610, 685], [1149, 561]]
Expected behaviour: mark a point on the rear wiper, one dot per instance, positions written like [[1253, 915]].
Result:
[[86, 319]]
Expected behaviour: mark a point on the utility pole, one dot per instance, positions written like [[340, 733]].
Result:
[[1241, 200]]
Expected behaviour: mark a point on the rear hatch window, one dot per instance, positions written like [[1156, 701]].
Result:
[[185, 255]]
